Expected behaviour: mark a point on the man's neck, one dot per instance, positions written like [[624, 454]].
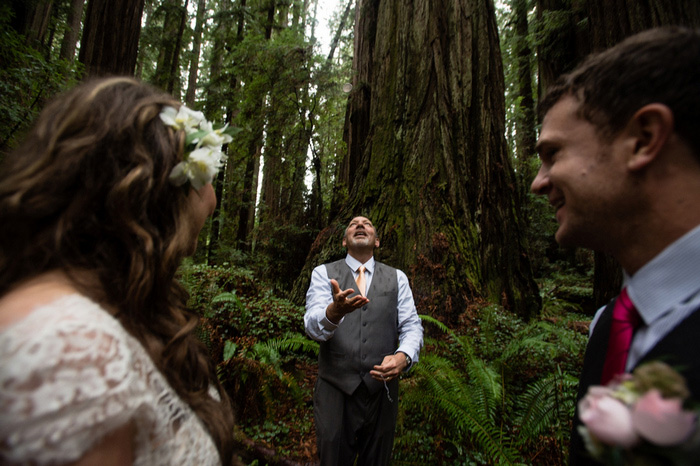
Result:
[[361, 256]]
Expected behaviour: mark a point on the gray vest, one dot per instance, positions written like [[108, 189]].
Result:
[[366, 335]]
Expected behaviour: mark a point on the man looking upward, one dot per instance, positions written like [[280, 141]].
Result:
[[620, 151], [368, 337]]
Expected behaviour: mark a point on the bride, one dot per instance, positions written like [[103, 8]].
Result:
[[98, 361]]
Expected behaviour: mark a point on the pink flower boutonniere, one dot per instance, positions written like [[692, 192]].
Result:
[[639, 419]]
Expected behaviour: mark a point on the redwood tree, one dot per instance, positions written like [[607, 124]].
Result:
[[427, 160], [111, 36]]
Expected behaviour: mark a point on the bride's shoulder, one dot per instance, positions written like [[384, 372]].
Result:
[[32, 294]]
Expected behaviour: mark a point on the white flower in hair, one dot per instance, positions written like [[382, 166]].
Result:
[[199, 169], [214, 137], [182, 118], [203, 156]]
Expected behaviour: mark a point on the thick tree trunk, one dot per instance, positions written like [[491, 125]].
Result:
[[109, 46], [427, 159], [610, 21], [32, 20], [70, 38]]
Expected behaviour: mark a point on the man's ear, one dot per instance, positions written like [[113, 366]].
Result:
[[376, 242], [345, 243], [651, 126]]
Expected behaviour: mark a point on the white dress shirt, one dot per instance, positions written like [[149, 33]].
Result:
[[319, 296], [665, 291]]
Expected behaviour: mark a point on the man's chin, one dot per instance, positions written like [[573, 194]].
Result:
[[564, 238], [567, 238]]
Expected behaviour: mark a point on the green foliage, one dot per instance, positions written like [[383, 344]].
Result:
[[258, 341], [282, 252], [27, 81], [495, 394], [546, 408]]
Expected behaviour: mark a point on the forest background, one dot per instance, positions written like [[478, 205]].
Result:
[[421, 115]]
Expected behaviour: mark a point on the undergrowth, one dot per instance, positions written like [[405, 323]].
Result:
[[495, 390]]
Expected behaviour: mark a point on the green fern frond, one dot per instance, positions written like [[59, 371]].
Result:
[[226, 297], [289, 342], [545, 407], [468, 407]]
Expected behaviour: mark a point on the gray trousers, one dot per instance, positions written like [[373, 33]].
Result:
[[358, 426]]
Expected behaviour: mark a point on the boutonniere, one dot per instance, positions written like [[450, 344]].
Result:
[[641, 419]]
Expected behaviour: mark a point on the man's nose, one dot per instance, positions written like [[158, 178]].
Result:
[[541, 184]]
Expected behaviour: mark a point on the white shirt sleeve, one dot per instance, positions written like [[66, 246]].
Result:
[[318, 297], [410, 327]]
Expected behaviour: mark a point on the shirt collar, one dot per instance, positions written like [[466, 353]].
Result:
[[668, 280], [354, 264]]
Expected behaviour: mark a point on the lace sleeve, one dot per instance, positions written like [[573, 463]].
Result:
[[67, 378]]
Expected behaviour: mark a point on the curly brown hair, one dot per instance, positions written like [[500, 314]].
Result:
[[88, 191]]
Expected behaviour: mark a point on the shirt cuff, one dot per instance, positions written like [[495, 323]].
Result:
[[328, 325]]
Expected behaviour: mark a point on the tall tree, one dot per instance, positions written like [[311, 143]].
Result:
[[109, 46], [427, 158], [70, 38], [561, 38], [174, 16], [526, 122], [31, 20], [196, 50]]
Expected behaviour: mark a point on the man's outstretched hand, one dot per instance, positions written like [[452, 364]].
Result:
[[341, 304]]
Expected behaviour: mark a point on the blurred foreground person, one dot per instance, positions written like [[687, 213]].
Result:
[[98, 362], [620, 151]]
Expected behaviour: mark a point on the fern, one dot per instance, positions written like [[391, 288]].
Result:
[[467, 406], [289, 342], [269, 353], [546, 404]]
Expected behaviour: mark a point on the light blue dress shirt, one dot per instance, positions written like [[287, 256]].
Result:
[[319, 296], [665, 291]]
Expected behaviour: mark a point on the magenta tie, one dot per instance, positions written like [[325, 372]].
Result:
[[625, 320]]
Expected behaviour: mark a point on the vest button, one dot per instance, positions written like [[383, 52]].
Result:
[[364, 340], [364, 324]]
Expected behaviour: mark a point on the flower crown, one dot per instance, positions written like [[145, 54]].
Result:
[[203, 156]]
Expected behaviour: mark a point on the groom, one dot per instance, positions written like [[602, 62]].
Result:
[[620, 153]]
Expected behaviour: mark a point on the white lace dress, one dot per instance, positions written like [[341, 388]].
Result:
[[70, 373]]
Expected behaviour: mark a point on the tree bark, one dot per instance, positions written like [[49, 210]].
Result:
[[174, 14], [109, 46], [70, 38], [427, 159], [562, 41], [610, 21], [32, 20], [526, 123]]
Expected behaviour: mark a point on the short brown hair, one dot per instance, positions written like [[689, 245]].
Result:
[[660, 65]]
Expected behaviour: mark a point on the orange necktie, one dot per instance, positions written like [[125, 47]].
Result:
[[360, 280]]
